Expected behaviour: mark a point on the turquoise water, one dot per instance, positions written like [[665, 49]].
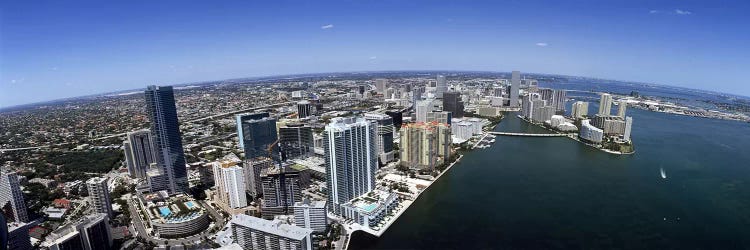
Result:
[[369, 207], [189, 204], [164, 211], [544, 193]]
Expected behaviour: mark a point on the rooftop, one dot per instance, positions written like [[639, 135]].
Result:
[[272, 227]]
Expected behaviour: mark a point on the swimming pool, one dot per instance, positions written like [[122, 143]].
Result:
[[164, 211], [369, 207], [189, 204]]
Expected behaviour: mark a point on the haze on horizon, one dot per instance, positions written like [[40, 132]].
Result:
[[52, 50]]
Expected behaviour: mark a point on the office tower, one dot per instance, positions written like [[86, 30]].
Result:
[[165, 130], [90, 233], [311, 214], [558, 99], [230, 184], [515, 82], [256, 233], [18, 235], [529, 102], [440, 87], [416, 93], [99, 195], [590, 133], [580, 110], [452, 103], [257, 132], [139, 152], [361, 89], [628, 128], [380, 85], [156, 178], [425, 145], [621, 109], [397, 116], [351, 159], [281, 189], [296, 140], [304, 109], [605, 104], [440, 117], [422, 108], [11, 198], [253, 168], [385, 135]]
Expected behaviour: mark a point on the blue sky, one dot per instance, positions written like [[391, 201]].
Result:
[[58, 49]]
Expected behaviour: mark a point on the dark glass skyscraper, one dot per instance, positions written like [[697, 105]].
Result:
[[452, 103], [256, 132], [167, 137]]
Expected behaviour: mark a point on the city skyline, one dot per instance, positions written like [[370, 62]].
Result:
[[67, 56]]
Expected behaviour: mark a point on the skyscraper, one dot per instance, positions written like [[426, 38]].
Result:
[[253, 168], [621, 109], [11, 198], [452, 103], [311, 214], [230, 184], [304, 109], [380, 85], [515, 84], [385, 135], [281, 189], [441, 86], [99, 195], [167, 137], [628, 128], [296, 140], [139, 152], [558, 99], [256, 133], [90, 233], [425, 145], [256, 233], [580, 110], [351, 159], [605, 104]]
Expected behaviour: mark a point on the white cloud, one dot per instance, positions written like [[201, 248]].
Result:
[[682, 12], [54, 68], [328, 26], [542, 44], [373, 57], [13, 81], [653, 12]]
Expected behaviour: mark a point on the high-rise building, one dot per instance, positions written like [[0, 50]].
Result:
[[425, 145], [99, 195], [311, 214], [253, 167], [397, 116], [441, 86], [361, 89], [139, 152], [18, 235], [416, 93], [296, 140], [605, 104], [628, 128], [440, 117], [580, 110], [385, 135], [546, 94], [558, 99], [165, 127], [590, 133], [422, 108], [452, 103], [621, 109], [281, 189], [256, 233], [92, 232], [529, 102], [380, 85], [304, 109], [230, 184], [11, 198], [515, 84], [257, 132], [351, 159]]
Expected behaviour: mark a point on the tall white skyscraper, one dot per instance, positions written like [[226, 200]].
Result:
[[605, 104], [380, 85], [558, 99], [628, 127], [11, 197], [580, 110], [99, 195], [230, 183], [515, 84], [621, 109], [441, 86], [351, 159]]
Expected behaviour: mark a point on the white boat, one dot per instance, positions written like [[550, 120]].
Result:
[[663, 174]]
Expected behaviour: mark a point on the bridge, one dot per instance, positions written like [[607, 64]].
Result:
[[527, 134]]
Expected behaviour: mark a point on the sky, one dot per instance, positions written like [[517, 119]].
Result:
[[58, 49]]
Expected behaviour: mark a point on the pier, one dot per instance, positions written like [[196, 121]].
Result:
[[528, 134]]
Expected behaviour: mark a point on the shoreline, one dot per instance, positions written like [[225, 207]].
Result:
[[577, 139]]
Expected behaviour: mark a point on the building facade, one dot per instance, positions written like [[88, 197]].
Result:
[[580, 110], [311, 214], [605, 104], [385, 132], [281, 189], [296, 140], [165, 127], [11, 198], [257, 132], [230, 184], [140, 152], [99, 195], [256, 233], [425, 145]]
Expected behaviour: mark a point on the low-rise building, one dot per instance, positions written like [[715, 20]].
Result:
[[371, 208], [256, 233]]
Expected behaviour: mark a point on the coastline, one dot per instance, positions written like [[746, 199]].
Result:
[[575, 138]]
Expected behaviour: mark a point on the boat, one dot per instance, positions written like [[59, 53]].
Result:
[[663, 174]]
